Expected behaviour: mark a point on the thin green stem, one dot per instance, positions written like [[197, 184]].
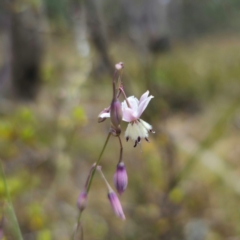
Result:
[[89, 181], [97, 163], [89, 175], [10, 209], [114, 85], [77, 227], [79, 216]]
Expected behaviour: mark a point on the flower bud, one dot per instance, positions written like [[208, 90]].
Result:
[[119, 66], [116, 112], [120, 178], [82, 200], [116, 205]]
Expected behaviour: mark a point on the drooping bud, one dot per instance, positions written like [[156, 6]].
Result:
[[113, 198], [116, 112], [82, 200], [119, 66], [120, 178], [116, 205]]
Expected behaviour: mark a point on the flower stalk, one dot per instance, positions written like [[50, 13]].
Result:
[[97, 163], [130, 110], [88, 184]]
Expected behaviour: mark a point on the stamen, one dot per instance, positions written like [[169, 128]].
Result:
[[139, 139], [146, 139], [136, 142], [127, 138]]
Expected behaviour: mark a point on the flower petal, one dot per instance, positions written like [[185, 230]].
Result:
[[129, 115], [104, 115], [138, 130], [130, 99], [133, 103], [143, 97], [142, 106], [145, 125], [124, 105]]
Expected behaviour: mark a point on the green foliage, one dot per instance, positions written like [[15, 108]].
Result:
[[44, 235]]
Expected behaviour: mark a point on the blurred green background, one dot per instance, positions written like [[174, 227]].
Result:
[[57, 60]]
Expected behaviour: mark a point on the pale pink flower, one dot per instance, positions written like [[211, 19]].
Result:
[[137, 128]]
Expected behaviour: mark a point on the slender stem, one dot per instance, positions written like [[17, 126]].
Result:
[[114, 85], [89, 175], [120, 78], [79, 217], [121, 89], [78, 224], [97, 163], [121, 149], [94, 167], [105, 180], [117, 79], [10, 206], [89, 181], [119, 93]]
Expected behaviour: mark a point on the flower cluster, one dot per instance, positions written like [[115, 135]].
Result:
[[129, 110]]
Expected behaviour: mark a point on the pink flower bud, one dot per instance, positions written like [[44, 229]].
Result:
[[116, 112], [82, 200], [120, 178], [116, 205], [119, 66]]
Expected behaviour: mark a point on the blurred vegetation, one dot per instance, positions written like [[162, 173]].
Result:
[[184, 184]]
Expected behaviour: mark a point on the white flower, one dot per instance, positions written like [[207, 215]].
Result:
[[137, 128]]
